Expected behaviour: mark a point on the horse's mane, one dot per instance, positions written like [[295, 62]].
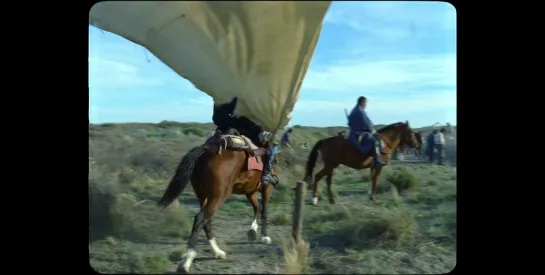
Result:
[[386, 128]]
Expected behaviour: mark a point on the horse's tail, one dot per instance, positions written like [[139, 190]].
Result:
[[311, 162], [181, 178]]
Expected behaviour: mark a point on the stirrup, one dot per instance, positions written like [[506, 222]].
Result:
[[270, 179]]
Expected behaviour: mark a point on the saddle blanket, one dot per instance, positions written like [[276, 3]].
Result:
[[234, 142], [237, 142], [255, 163]]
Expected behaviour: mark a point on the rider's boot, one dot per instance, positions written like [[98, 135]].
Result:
[[380, 152], [268, 162]]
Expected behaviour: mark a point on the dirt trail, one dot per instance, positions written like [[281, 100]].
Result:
[[230, 230]]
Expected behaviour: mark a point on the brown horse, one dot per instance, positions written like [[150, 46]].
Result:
[[224, 165], [418, 147], [338, 150]]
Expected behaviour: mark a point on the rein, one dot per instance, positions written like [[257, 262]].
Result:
[[387, 141]]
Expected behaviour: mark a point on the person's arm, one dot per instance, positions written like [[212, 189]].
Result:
[[367, 122]]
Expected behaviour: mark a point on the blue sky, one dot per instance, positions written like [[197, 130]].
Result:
[[400, 55]]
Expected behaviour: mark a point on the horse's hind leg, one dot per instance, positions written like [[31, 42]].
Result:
[[202, 219], [187, 258], [317, 179], [218, 253], [375, 174], [252, 233]]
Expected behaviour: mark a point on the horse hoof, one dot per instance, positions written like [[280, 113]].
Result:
[[331, 201], [252, 235], [221, 255], [182, 270], [314, 201], [266, 240]]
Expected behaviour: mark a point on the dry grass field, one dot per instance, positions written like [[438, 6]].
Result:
[[410, 229]]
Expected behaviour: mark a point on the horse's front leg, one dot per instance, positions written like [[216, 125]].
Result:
[[317, 179], [375, 174], [265, 197], [329, 180]]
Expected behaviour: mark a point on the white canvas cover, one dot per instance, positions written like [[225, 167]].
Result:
[[258, 51]]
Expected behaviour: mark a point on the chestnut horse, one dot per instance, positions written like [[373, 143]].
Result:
[[216, 171], [418, 148], [338, 150]]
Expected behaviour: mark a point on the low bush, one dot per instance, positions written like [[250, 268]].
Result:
[[194, 131]]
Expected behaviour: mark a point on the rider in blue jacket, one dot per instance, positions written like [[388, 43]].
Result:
[[359, 122]]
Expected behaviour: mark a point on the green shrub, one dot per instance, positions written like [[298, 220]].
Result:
[[281, 219], [193, 130], [102, 193], [126, 175], [107, 125], [116, 256], [403, 180], [149, 160], [168, 124], [371, 227], [142, 220]]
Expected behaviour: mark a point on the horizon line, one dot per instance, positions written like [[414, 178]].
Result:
[[288, 126]]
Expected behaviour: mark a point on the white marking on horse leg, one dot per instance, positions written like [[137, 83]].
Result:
[[254, 226], [315, 200], [188, 259], [252, 233], [266, 240], [217, 251]]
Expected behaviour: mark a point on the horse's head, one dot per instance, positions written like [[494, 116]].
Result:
[[408, 137], [403, 131]]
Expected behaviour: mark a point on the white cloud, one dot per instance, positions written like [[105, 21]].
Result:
[[371, 76], [393, 20], [392, 105], [174, 110], [115, 62], [113, 73]]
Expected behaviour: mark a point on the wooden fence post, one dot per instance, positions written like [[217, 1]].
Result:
[[297, 226]]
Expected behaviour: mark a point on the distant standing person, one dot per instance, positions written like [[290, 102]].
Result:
[[439, 140], [430, 145], [285, 141], [420, 142]]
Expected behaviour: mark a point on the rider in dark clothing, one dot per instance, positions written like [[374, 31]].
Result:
[[285, 141], [359, 123], [223, 118]]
